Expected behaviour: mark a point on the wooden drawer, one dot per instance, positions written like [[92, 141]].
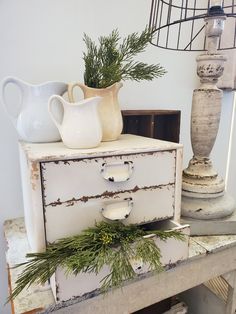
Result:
[[80, 179], [67, 286], [71, 218]]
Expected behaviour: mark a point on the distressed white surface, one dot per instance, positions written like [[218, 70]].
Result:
[[178, 183], [32, 198], [148, 205], [36, 296], [198, 268], [214, 243], [57, 151], [76, 179], [172, 251], [65, 181], [221, 226], [39, 296]]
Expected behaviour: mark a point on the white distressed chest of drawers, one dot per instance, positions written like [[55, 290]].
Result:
[[66, 191]]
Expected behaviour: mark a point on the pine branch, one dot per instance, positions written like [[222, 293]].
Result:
[[134, 44], [141, 71], [111, 244], [108, 62]]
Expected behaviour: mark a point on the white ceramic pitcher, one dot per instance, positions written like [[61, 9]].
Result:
[[109, 108], [80, 126], [33, 122]]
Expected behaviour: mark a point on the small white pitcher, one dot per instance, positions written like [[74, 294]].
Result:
[[33, 122], [80, 126], [109, 108]]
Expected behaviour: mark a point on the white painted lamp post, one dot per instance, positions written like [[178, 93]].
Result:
[[205, 203]]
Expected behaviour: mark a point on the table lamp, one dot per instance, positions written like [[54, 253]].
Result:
[[186, 25]]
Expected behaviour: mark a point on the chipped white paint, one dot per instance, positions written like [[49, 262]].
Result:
[[72, 218], [32, 198], [172, 251], [36, 296], [75, 190], [204, 194], [215, 243], [83, 178], [57, 151], [135, 295], [178, 184], [220, 226]]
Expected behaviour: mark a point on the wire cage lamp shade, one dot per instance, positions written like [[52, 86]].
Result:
[[179, 24]]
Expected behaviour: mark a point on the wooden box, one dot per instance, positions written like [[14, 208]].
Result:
[[159, 124], [135, 179]]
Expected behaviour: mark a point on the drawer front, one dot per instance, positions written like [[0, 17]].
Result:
[[68, 286], [70, 218], [82, 178]]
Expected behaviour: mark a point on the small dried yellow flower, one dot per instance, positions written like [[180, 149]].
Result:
[[106, 238]]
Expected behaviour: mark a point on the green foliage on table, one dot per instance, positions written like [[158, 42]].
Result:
[[112, 244], [110, 62]]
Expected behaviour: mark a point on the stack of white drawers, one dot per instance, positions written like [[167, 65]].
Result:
[[136, 180]]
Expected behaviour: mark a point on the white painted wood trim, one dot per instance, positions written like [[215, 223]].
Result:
[[33, 207], [178, 184], [126, 144]]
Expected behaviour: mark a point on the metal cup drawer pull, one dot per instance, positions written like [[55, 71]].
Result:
[[118, 210], [117, 171]]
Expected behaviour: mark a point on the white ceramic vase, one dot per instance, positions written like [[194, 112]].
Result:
[[33, 122], [80, 125]]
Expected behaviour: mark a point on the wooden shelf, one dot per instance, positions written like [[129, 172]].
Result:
[[160, 124]]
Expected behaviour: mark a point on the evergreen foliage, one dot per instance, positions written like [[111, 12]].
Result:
[[111, 62], [112, 244]]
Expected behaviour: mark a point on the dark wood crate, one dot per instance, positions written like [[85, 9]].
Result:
[[160, 124]]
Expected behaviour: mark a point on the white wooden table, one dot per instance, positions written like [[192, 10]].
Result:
[[209, 257]]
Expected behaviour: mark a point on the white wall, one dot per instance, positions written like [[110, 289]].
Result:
[[42, 40], [232, 156]]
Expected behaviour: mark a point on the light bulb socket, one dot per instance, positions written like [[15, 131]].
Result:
[[216, 10]]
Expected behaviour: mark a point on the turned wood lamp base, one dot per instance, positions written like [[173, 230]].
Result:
[[221, 226], [205, 204], [208, 208]]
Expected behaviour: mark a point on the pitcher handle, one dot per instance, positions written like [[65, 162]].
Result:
[[71, 87], [6, 105], [50, 109]]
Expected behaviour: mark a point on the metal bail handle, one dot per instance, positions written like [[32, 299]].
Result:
[[117, 172], [118, 210]]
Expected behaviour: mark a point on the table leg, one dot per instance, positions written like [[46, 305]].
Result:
[[231, 299]]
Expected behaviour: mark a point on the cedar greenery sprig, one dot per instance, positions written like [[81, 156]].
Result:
[[112, 244], [110, 62]]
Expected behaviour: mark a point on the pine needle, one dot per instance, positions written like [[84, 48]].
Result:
[[111, 244]]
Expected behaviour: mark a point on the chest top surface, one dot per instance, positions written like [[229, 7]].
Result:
[[126, 144]]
